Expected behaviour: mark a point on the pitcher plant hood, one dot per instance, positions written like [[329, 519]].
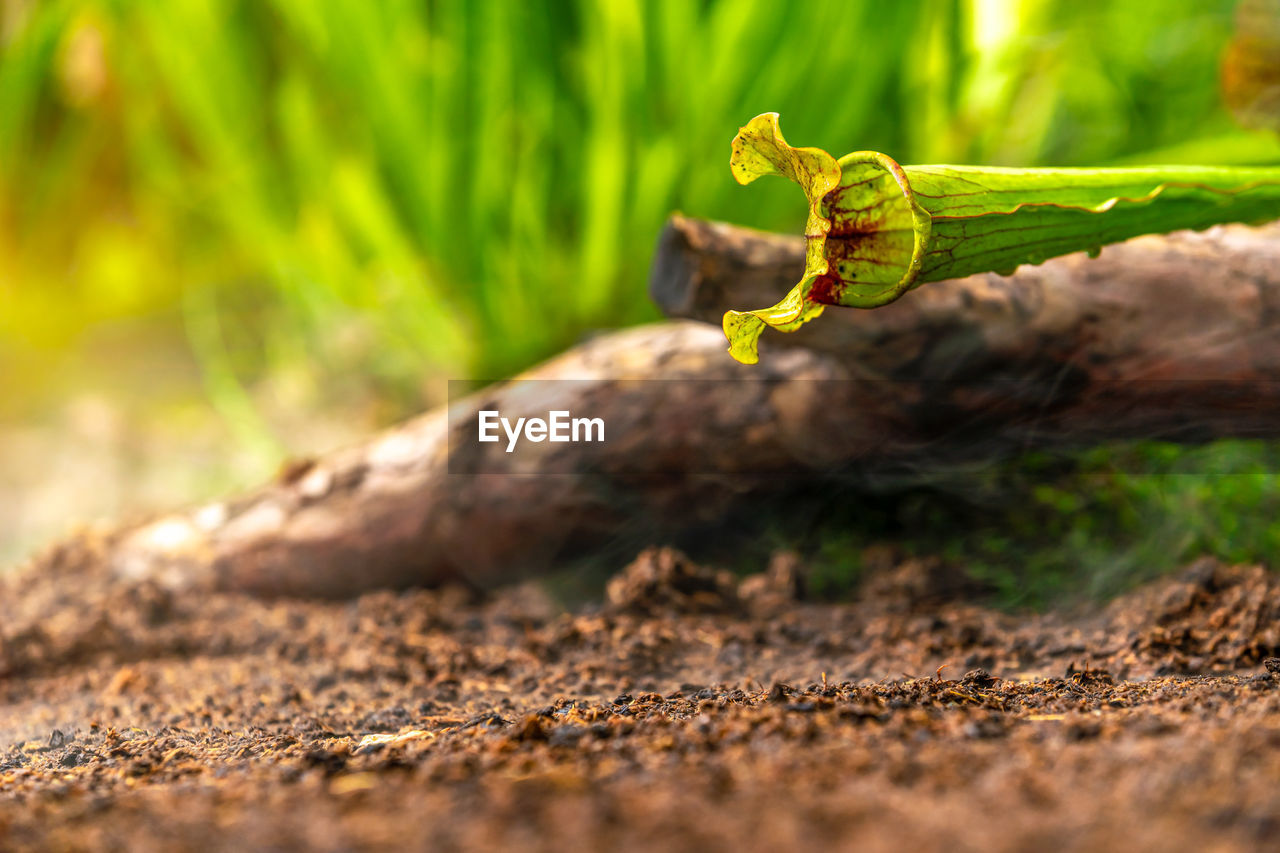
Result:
[[876, 229]]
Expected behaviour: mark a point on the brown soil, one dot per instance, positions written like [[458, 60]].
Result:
[[688, 711]]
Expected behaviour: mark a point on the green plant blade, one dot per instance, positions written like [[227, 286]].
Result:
[[877, 229]]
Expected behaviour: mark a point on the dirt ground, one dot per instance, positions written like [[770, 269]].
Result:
[[686, 711]]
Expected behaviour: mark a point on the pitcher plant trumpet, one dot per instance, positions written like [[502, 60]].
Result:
[[876, 229]]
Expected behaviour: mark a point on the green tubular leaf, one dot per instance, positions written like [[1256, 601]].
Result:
[[877, 229]]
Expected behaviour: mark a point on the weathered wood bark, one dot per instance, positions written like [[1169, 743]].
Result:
[[1176, 337], [395, 513], [1182, 306]]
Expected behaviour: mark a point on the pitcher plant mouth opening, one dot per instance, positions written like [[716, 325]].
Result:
[[876, 229]]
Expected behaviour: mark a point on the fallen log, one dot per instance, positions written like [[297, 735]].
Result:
[[1177, 337], [1173, 337], [1186, 306], [425, 504]]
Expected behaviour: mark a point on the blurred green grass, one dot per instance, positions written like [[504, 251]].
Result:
[[395, 188], [375, 195]]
